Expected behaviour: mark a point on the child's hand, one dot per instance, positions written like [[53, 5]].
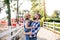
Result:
[[33, 27], [30, 33], [24, 33]]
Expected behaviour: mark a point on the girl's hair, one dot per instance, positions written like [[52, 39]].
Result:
[[26, 15], [39, 15]]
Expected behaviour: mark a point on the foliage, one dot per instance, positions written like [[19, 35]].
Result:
[[53, 19], [55, 14], [6, 1], [33, 0], [38, 6]]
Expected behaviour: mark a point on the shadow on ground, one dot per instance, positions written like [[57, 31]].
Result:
[[38, 38], [58, 39]]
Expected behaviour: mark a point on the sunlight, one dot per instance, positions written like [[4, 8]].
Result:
[[52, 5], [26, 5]]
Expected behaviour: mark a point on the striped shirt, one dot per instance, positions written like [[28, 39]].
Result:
[[35, 30]]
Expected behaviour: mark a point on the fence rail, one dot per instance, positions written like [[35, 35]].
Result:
[[52, 26], [8, 32]]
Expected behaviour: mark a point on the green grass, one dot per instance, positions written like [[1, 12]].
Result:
[[57, 29], [58, 25]]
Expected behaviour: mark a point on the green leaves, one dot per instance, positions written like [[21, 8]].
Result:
[[6, 1], [34, 5], [33, 0]]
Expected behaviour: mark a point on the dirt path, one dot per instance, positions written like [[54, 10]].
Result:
[[45, 34]]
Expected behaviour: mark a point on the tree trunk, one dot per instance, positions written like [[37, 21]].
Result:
[[9, 15], [17, 18], [44, 11]]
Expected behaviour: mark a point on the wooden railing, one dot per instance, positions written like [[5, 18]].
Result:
[[52, 26], [8, 32]]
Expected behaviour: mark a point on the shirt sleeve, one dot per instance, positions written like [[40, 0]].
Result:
[[37, 28]]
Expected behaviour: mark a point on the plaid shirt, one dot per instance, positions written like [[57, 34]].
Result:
[[35, 30]]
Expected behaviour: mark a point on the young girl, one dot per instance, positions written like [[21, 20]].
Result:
[[27, 26]]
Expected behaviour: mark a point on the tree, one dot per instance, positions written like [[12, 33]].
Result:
[[17, 16], [16, 8], [55, 14], [38, 5], [8, 11]]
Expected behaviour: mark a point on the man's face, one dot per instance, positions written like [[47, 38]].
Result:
[[36, 16]]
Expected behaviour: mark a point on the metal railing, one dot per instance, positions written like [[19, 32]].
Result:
[[8, 32], [52, 26]]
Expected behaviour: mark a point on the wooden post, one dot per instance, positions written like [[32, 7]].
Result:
[[9, 35], [53, 26]]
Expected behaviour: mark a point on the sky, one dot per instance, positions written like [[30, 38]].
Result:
[[26, 5], [50, 5]]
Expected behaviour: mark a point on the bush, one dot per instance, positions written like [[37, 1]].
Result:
[[53, 19], [41, 21]]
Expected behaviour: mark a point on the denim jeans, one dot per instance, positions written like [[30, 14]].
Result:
[[33, 38], [30, 38], [27, 37]]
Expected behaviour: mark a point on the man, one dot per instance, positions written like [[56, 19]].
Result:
[[36, 24]]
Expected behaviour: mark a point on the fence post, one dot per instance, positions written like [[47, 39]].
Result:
[[43, 24], [53, 26], [9, 35]]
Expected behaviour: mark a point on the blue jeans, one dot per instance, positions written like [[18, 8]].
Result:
[[33, 38], [30, 38], [27, 37]]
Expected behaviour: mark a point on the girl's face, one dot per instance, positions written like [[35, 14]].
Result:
[[29, 16]]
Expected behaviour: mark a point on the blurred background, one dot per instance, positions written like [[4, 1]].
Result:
[[12, 11]]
